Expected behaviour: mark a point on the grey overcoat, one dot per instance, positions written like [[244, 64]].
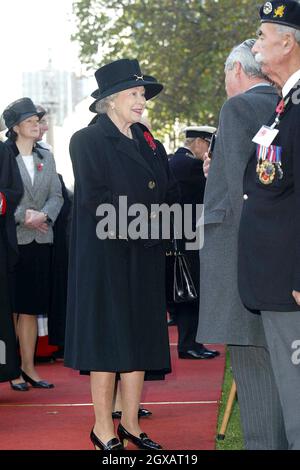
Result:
[[222, 316]]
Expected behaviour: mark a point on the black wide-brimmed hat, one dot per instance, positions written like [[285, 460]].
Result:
[[121, 75], [286, 13], [18, 111]]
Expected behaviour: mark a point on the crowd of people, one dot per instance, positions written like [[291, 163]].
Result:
[[101, 277]]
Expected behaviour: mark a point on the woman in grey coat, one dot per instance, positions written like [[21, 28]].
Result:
[[34, 217]]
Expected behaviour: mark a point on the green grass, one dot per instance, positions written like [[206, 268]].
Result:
[[233, 437]]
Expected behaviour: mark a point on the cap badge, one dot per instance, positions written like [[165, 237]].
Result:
[[139, 78], [268, 8], [279, 12]]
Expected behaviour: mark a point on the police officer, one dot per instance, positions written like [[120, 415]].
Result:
[[269, 240], [187, 167]]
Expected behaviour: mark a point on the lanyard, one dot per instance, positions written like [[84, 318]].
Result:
[[280, 110]]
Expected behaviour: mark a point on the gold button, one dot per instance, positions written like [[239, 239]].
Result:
[[151, 184]]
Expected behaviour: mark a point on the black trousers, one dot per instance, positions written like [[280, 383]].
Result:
[[187, 315]]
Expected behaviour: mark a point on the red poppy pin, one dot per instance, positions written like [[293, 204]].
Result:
[[150, 140], [40, 166]]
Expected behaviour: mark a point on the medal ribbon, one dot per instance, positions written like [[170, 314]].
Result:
[[271, 154]]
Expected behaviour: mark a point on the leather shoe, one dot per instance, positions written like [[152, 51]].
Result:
[[202, 354], [113, 444], [214, 351], [36, 384], [22, 387], [142, 413], [143, 441]]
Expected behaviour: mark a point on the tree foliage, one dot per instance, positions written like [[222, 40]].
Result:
[[184, 43]]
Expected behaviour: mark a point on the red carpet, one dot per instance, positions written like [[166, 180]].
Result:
[[184, 408]]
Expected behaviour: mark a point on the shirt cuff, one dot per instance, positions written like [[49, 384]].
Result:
[[2, 204]]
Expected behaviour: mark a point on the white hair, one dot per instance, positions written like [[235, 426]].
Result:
[[102, 106], [288, 29], [243, 54]]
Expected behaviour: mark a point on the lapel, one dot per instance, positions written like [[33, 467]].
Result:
[[38, 159], [40, 168], [289, 102], [24, 175], [125, 146]]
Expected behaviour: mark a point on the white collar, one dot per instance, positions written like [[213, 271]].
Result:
[[291, 82]]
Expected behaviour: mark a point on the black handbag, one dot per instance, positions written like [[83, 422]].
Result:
[[179, 283]]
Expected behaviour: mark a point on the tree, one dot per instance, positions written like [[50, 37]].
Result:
[[183, 43]]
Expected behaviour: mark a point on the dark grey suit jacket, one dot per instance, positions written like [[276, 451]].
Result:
[[222, 316]]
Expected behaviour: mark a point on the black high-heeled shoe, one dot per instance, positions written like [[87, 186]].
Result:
[[113, 444], [142, 413], [143, 441], [21, 387], [36, 384]]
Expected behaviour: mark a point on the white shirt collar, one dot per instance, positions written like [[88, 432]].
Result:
[[291, 82]]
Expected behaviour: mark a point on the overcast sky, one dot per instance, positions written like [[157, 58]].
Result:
[[30, 31]]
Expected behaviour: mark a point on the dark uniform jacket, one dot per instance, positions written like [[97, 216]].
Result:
[[269, 239], [116, 313], [188, 172]]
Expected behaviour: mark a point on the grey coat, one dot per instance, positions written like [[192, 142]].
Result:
[[44, 195], [222, 316]]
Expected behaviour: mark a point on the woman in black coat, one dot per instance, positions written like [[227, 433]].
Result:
[[116, 319], [11, 190]]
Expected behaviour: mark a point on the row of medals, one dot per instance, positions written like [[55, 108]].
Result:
[[267, 171]]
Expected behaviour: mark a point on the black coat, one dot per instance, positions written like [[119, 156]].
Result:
[[59, 275], [12, 188], [116, 315], [269, 239]]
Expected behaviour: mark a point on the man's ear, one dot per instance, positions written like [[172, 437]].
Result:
[[289, 43], [238, 68]]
